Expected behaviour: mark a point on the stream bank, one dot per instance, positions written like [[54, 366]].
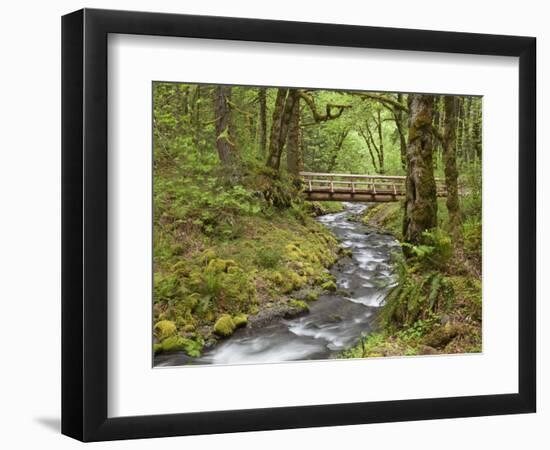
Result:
[[335, 321]]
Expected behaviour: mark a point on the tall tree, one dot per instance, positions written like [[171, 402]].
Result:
[[400, 125], [294, 158], [476, 128], [450, 167], [196, 118], [339, 143], [421, 195], [467, 133], [284, 105], [373, 147], [222, 110], [262, 123], [399, 112]]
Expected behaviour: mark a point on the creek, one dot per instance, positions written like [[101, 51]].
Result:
[[335, 321]]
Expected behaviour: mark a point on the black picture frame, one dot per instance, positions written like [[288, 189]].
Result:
[[84, 224]]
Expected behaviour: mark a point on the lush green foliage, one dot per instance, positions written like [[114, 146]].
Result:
[[232, 239]]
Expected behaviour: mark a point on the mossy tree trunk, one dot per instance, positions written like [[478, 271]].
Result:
[[460, 129], [196, 116], [476, 128], [451, 171], [284, 105], [421, 196], [400, 125], [294, 158], [222, 110], [467, 137], [262, 122]]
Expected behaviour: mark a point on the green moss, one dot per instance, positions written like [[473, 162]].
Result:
[[386, 217], [345, 251], [329, 286], [219, 265], [224, 326], [442, 335], [268, 258], [322, 208], [276, 278], [299, 304], [240, 320], [207, 256], [164, 329], [312, 296], [276, 252], [180, 344], [157, 348], [181, 268], [296, 280]]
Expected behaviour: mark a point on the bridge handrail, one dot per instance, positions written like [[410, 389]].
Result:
[[358, 176], [350, 175]]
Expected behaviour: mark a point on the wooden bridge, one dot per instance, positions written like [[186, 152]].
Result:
[[357, 188]]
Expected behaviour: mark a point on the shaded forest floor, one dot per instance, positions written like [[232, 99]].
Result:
[[436, 307]]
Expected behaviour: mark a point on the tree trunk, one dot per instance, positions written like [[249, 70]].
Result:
[[468, 129], [476, 128], [451, 172], [421, 196], [279, 128], [341, 138], [436, 123], [366, 138], [196, 116], [222, 110], [186, 101], [398, 115], [380, 145], [294, 160], [460, 129], [263, 121], [371, 144]]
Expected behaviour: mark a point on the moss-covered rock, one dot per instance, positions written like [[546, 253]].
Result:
[[311, 296], [220, 265], [157, 348], [164, 329], [224, 326], [342, 251], [180, 344], [240, 320], [293, 251], [442, 335], [296, 280], [299, 304], [329, 286]]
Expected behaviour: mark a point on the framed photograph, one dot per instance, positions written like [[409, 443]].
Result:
[[273, 224]]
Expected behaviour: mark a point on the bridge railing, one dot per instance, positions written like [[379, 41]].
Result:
[[355, 183]]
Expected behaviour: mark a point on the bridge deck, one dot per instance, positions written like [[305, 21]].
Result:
[[357, 188]]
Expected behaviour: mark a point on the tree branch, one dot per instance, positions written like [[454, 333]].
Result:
[[329, 107], [383, 100], [370, 149]]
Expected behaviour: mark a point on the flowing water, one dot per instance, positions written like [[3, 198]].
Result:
[[335, 321]]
